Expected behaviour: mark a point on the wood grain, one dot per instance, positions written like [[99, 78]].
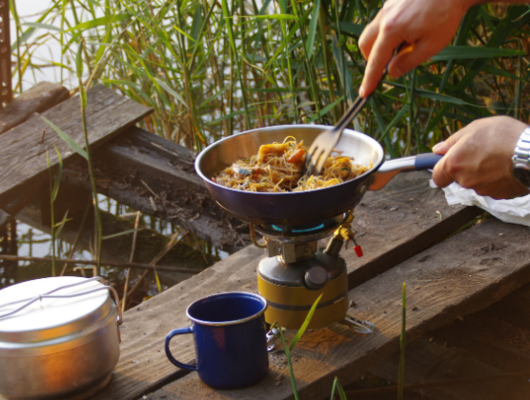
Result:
[[145, 330], [454, 278], [143, 365], [23, 149], [157, 177], [428, 362], [39, 98], [401, 220], [490, 339]]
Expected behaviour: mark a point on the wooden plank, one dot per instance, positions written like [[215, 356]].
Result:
[[39, 98], [497, 337], [514, 309], [143, 365], [429, 362], [451, 279], [23, 149], [489, 339], [157, 177], [401, 220]]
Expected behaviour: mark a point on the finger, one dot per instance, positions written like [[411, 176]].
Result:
[[382, 51], [440, 174], [410, 57], [369, 35], [443, 147]]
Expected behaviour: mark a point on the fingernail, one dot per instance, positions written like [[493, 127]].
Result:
[[437, 146], [361, 92]]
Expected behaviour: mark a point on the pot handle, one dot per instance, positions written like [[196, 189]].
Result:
[[405, 164], [175, 332]]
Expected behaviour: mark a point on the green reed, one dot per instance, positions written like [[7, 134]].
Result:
[[210, 69], [54, 190]]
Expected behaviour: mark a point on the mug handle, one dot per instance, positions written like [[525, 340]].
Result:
[[170, 335]]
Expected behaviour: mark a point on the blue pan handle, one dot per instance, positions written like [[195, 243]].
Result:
[[426, 161], [406, 164]]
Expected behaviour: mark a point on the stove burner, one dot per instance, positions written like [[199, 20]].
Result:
[[301, 232]]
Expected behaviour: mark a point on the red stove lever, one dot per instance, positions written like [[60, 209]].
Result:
[[357, 249]]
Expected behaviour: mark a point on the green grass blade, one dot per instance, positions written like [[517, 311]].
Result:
[[166, 87], [61, 224], [196, 24], [79, 65], [29, 32], [350, 27], [467, 52], [215, 96], [325, 110], [127, 232], [58, 176], [398, 118], [312, 30], [289, 363], [108, 20], [435, 96], [189, 37], [41, 26], [337, 387], [225, 117], [272, 17], [305, 324], [78, 149], [344, 71]]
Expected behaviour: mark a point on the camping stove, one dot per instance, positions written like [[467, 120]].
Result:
[[295, 272]]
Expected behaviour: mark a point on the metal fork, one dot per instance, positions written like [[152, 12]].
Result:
[[326, 141]]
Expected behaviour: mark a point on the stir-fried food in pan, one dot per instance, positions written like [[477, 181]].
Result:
[[278, 168]]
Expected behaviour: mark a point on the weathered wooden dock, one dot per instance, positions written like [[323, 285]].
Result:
[[466, 300]]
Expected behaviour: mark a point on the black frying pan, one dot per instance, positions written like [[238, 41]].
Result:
[[300, 207]]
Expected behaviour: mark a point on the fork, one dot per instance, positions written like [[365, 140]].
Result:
[[326, 141]]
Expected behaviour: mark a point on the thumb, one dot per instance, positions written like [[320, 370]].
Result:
[[443, 147], [440, 176]]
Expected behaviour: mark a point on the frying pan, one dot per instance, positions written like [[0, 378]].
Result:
[[291, 208]]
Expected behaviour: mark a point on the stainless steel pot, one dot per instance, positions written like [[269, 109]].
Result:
[[59, 338]]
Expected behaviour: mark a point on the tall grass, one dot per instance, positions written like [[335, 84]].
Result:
[[213, 68]]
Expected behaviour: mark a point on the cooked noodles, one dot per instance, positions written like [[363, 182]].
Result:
[[278, 168]]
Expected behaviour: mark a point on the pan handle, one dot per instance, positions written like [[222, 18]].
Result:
[[406, 164]]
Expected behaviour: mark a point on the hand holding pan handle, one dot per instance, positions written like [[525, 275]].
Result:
[[406, 164]]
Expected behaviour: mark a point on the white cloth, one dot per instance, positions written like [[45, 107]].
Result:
[[514, 211]]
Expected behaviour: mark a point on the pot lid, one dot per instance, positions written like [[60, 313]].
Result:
[[48, 318]]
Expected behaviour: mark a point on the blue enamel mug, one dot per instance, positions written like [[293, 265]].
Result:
[[230, 343]]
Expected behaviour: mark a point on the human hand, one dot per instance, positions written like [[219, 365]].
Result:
[[479, 157], [428, 26]]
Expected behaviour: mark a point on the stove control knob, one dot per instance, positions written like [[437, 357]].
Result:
[[316, 278]]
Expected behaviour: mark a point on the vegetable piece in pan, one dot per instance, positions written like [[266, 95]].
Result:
[[278, 168]]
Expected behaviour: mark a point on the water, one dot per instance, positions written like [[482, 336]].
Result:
[[29, 12], [34, 242]]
